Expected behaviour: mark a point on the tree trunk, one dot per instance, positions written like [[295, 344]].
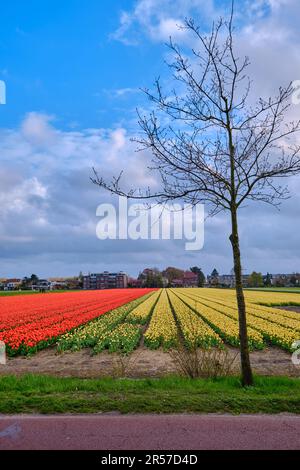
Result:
[[247, 377]]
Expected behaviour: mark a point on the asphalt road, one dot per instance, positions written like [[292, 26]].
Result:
[[149, 432]]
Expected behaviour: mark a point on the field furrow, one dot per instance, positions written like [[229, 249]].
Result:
[[194, 329]]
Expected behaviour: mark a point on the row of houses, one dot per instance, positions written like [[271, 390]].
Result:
[[16, 284], [275, 280], [186, 279], [39, 285], [120, 280], [285, 280], [107, 280], [104, 280], [10, 284]]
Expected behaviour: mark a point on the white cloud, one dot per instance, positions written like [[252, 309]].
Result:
[[126, 20], [158, 19], [167, 27], [47, 201], [36, 128], [18, 199], [125, 91]]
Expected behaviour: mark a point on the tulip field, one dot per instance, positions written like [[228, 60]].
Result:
[[28, 323], [120, 320]]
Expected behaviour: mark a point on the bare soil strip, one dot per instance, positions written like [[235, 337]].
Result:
[[143, 362]]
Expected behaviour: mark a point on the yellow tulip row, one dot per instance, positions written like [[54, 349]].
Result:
[[124, 338], [98, 330], [162, 330], [227, 327], [272, 315], [272, 298], [268, 299], [269, 327], [282, 317], [195, 331], [273, 310], [142, 312]]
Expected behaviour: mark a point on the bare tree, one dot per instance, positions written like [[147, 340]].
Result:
[[215, 147]]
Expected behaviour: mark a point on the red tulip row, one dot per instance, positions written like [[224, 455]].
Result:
[[38, 322]]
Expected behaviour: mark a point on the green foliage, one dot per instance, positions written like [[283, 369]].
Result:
[[96, 333], [124, 339], [268, 280], [200, 274], [172, 273], [256, 280], [42, 394]]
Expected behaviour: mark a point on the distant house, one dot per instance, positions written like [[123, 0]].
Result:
[[105, 280], [132, 282], [148, 272], [12, 284], [58, 285], [42, 285], [226, 280], [285, 280], [71, 283], [188, 279], [177, 283]]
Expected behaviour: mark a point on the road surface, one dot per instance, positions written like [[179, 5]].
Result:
[[149, 432]]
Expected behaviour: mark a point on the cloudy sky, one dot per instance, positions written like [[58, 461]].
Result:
[[73, 71]]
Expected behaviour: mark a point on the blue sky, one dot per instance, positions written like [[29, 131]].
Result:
[[73, 70], [60, 58]]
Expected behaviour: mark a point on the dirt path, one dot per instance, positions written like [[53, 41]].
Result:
[[142, 363], [290, 308]]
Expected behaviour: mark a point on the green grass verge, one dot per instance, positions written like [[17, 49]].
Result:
[[289, 290], [43, 394]]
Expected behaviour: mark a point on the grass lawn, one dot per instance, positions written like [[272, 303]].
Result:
[[9, 293], [289, 290], [42, 394]]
